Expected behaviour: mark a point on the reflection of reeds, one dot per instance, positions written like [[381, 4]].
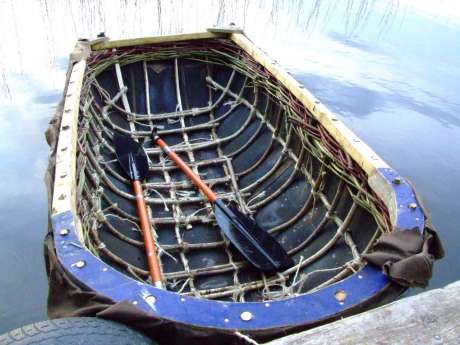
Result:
[[18, 37], [61, 22], [160, 28], [50, 44], [4, 88]]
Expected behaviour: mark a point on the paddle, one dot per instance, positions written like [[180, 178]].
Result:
[[255, 244], [133, 160]]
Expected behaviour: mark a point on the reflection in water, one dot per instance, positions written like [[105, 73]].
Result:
[[38, 40], [352, 100], [388, 68]]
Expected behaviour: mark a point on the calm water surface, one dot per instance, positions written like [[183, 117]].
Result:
[[389, 70]]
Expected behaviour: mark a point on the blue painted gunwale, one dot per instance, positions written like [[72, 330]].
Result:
[[295, 311]]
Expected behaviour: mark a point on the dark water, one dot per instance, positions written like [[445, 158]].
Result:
[[389, 69]]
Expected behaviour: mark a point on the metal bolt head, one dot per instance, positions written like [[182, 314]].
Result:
[[64, 232], [397, 180], [150, 299], [80, 264], [246, 316], [412, 205], [341, 296]]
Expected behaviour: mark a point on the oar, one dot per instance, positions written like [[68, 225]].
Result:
[[255, 244], [133, 160]]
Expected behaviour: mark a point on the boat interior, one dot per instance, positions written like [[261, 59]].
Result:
[[247, 138]]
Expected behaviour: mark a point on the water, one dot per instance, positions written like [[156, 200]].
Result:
[[389, 69]]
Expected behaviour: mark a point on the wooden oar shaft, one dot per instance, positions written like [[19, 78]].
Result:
[[149, 242], [186, 169]]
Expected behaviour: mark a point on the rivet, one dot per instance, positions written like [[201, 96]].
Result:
[[104, 269], [69, 94], [68, 110], [63, 175], [412, 205], [80, 264], [341, 296], [397, 180], [61, 197], [437, 337], [246, 316], [150, 299], [267, 305], [226, 320], [182, 299], [360, 276], [134, 302], [64, 148], [64, 128], [64, 232]]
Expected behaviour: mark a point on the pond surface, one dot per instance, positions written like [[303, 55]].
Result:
[[389, 69]]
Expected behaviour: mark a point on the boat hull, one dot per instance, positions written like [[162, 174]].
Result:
[[263, 142]]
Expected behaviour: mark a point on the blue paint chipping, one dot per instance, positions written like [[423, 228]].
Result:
[[300, 310]]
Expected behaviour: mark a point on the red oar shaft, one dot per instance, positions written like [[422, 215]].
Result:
[[186, 169], [152, 260]]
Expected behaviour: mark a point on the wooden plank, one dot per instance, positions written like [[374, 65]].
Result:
[[432, 317], [226, 29], [64, 190], [65, 179], [158, 39]]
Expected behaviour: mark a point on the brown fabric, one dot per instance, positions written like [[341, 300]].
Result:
[[407, 256]]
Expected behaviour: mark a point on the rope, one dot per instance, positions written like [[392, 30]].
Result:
[[104, 192]]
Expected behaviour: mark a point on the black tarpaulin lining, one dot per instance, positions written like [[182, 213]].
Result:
[[240, 157]]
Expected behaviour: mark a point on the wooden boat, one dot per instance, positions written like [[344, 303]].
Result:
[[263, 142]]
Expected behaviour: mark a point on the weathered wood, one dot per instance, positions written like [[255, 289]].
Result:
[[65, 178], [226, 29], [431, 317], [156, 40], [64, 197]]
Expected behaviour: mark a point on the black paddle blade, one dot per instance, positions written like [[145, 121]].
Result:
[[254, 243], [131, 156]]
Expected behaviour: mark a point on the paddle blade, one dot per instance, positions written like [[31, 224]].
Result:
[[254, 243], [131, 156]]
